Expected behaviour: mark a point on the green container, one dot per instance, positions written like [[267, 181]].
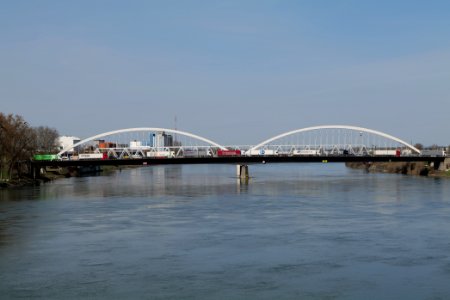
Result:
[[45, 157]]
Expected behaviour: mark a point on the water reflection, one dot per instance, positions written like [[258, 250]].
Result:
[[291, 231], [312, 181]]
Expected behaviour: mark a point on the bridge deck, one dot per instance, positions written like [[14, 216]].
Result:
[[236, 160]]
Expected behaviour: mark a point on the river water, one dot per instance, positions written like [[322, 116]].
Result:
[[295, 231]]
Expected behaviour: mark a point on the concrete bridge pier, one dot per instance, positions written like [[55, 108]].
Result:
[[35, 171], [242, 171], [444, 165]]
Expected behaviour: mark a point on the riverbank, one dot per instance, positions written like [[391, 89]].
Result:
[[20, 182], [406, 168], [50, 174]]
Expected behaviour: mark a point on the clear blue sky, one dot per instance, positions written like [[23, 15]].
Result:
[[232, 71]]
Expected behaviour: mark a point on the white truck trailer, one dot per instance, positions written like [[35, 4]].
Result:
[[161, 154], [384, 152], [201, 152], [261, 152], [306, 152], [90, 156], [432, 153]]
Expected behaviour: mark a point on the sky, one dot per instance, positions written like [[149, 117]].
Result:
[[235, 71]]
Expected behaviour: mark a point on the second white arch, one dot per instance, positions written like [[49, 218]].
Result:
[[348, 127]]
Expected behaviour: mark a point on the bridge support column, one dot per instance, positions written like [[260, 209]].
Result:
[[445, 165], [242, 171], [35, 171]]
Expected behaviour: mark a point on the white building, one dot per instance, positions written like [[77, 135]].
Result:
[[137, 145], [67, 141]]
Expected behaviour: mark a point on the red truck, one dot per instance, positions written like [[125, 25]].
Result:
[[228, 152]]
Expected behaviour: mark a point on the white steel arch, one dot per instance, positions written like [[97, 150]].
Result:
[[150, 129], [385, 135]]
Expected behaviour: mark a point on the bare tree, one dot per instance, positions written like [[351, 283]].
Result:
[[2, 143], [435, 147], [18, 142], [46, 139], [418, 146]]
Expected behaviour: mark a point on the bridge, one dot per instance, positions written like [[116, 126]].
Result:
[[324, 144]]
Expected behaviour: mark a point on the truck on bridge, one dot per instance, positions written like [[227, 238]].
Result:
[[393, 152], [306, 152], [260, 152], [201, 152], [227, 152], [161, 154], [433, 152]]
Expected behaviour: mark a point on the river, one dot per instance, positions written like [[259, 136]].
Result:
[[295, 231]]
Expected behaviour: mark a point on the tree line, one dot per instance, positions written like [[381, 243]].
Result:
[[19, 142]]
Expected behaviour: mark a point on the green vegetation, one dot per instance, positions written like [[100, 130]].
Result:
[[19, 142]]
